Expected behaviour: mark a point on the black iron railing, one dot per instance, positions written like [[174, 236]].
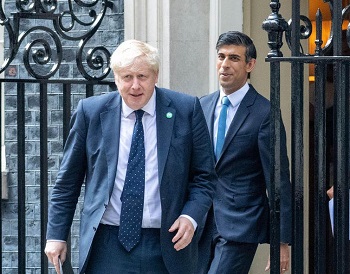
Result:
[[325, 55], [51, 54]]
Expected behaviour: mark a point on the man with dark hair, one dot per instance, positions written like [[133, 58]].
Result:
[[238, 119]]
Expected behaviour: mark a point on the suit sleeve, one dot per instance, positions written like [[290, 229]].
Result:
[[65, 193], [285, 184], [203, 176]]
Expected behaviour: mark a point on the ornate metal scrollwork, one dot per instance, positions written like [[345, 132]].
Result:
[[43, 55], [305, 31], [275, 26]]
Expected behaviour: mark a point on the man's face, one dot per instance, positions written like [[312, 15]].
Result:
[[136, 83], [232, 67]]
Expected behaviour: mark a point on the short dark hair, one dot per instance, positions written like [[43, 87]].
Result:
[[239, 39]]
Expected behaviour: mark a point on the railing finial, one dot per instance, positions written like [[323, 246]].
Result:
[[275, 25]]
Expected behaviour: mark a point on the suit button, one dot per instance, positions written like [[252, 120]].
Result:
[[105, 205], [94, 228]]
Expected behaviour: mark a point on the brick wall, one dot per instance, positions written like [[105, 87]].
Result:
[[110, 34]]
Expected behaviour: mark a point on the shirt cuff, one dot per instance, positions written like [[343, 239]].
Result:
[[194, 223], [48, 241]]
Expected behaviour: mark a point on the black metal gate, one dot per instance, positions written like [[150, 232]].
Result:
[[328, 60], [54, 55]]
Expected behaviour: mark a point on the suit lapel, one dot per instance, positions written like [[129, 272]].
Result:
[[241, 115], [166, 116], [110, 125], [209, 113]]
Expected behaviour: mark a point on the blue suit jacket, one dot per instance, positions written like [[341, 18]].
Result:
[[186, 171], [241, 206]]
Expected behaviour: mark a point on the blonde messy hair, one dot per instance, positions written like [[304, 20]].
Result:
[[128, 51]]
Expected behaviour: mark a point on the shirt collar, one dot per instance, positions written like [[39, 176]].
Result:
[[235, 97], [150, 107]]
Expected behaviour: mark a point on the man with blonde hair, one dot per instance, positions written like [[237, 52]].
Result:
[[143, 153]]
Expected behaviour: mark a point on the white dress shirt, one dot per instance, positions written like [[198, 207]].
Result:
[[152, 207], [235, 100]]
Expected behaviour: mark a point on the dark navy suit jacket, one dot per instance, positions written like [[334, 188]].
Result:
[[241, 206], [186, 171]]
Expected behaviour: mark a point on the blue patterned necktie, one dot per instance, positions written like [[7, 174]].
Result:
[[221, 126], [133, 191]]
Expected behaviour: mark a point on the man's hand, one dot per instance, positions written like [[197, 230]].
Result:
[[330, 193], [185, 232], [55, 250], [284, 259]]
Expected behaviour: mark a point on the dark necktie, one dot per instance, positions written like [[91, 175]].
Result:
[[221, 126], [133, 191]]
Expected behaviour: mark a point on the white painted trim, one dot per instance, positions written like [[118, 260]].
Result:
[[129, 19], [164, 42], [148, 21], [213, 36], [225, 15]]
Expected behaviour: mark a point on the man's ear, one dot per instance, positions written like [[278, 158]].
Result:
[[250, 65]]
